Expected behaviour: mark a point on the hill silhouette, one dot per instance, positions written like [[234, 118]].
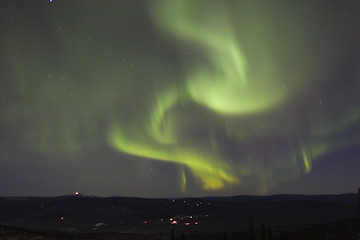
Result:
[[198, 217]]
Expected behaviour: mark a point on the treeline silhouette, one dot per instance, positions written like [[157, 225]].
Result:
[[266, 232]]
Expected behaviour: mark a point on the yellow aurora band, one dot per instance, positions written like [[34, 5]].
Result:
[[160, 142], [243, 76]]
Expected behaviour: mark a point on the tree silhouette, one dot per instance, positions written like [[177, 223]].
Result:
[[172, 235], [251, 227], [183, 236], [270, 233], [263, 231], [225, 237], [358, 235]]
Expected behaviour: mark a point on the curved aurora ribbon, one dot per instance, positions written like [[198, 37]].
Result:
[[241, 82]]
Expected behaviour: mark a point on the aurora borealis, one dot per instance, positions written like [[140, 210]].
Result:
[[179, 98]]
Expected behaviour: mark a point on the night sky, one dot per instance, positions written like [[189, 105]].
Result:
[[174, 98]]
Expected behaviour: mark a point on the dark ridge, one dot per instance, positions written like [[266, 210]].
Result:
[[66, 216]]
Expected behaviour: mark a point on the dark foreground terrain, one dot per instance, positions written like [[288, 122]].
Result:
[[85, 217]]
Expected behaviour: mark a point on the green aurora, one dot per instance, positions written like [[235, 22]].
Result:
[[235, 88], [234, 94]]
